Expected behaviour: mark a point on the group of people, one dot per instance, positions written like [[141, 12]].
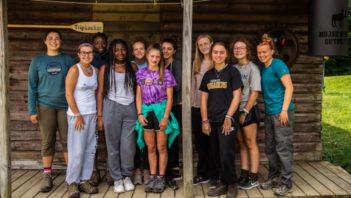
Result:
[[136, 104]]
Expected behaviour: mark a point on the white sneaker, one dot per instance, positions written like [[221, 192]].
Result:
[[118, 187], [128, 184]]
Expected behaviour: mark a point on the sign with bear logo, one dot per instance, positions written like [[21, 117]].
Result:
[[328, 28]]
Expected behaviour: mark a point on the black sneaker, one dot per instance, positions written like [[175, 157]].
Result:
[[176, 174], [249, 184], [213, 183], [220, 189], [199, 180], [270, 183], [160, 184], [242, 181], [171, 183], [282, 190]]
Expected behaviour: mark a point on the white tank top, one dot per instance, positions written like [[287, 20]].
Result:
[[120, 94], [84, 93]]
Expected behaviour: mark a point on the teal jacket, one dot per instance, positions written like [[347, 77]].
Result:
[[172, 129]]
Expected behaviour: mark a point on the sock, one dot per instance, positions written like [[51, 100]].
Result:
[[244, 173], [254, 176], [47, 170]]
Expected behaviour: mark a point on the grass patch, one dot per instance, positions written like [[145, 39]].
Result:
[[336, 121]]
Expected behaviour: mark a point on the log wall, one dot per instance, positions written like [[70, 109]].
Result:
[[222, 19]]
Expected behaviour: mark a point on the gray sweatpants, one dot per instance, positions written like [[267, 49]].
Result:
[[119, 123], [81, 147], [279, 147]]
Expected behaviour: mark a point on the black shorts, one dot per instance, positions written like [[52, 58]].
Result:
[[153, 123], [252, 117]]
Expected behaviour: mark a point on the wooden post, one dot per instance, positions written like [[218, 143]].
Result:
[[5, 165], [186, 93]]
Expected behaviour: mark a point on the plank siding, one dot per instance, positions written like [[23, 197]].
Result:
[[222, 19]]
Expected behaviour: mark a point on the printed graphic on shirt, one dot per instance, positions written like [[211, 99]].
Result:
[[53, 68], [148, 81], [217, 84]]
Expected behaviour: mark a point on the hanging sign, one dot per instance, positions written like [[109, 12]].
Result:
[[84, 27], [328, 28]]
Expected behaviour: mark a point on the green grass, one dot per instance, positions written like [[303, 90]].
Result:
[[336, 120]]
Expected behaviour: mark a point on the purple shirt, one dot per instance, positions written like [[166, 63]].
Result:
[[152, 89]]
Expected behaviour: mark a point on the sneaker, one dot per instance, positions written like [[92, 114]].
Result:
[[160, 184], [171, 183], [232, 191], [150, 186], [242, 180], [137, 177], [88, 188], [176, 174], [212, 183], [282, 190], [220, 189], [118, 186], [128, 184], [73, 191], [249, 184], [95, 178], [146, 176], [270, 183], [46, 183], [109, 179], [199, 180]]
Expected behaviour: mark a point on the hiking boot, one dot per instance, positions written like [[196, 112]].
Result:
[[73, 191], [146, 176], [171, 183], [128, 184], [248, 184], [232, 191], [137, 177], [212, 183], [160, 184], [220, 189], [270, 183], [95, 178], [88, 188], [46, 183], [176, 174], [109, 179], [150, 186], [282, 190], [118, 186], [199, 180]]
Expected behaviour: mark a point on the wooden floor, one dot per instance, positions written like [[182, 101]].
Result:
[[311, 179]]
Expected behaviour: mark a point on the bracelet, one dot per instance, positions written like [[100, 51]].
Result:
[[228, 116], [205, 121], [139, 114], [246, 111], [77, 115]]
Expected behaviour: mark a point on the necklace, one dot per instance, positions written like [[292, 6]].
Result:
[[88, 69], [218, 73]]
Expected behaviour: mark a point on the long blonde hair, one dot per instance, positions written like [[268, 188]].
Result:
[[199, 57]]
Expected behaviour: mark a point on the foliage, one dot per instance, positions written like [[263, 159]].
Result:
[[336, 117]]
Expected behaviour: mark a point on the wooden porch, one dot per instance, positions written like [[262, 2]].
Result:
[[311, 179]]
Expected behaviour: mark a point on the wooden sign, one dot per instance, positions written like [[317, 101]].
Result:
[[84, 27]]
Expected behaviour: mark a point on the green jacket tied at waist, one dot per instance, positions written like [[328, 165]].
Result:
[[172, 129]]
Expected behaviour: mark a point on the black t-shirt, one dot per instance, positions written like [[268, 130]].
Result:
[[220, 86]]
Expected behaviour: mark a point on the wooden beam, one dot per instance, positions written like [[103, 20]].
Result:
[[186, 93], [5, 165]]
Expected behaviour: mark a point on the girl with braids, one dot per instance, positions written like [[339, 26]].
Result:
[[277, 90], [156, 124], [117, 114], [249, 113], [206, 170]]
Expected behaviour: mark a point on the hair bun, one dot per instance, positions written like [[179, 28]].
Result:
[[266, 39]]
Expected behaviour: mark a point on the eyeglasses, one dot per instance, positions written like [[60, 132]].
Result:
[[239, 48], [83, 53]]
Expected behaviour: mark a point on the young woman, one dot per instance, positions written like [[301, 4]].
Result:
[[81, 85], [138, 49], [100, 48], [141, 163], [156, 124], [220, 98], [169, 49], [249, 113], [46, 100], [202, 63], [277, 90], [117, 114]]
